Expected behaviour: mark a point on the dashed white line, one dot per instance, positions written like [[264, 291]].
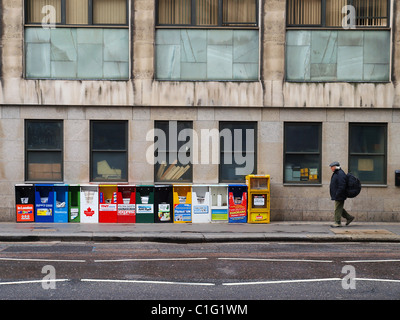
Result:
[[275, 260], [40, 260], [150, 282], [280, 281], [377, 280], [33, 281], [151, 259], [367, 261]]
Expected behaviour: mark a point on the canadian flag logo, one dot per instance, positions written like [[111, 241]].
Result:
[[89, 212]]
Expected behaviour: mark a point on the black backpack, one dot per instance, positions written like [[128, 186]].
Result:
[[353, 186]]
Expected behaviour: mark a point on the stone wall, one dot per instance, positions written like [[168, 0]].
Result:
[[270, 101]]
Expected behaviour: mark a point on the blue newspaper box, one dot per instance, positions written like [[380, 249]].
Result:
[[61, 203], [44, 203]]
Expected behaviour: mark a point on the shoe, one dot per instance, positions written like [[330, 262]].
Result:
[[349, 221], [336, 225]]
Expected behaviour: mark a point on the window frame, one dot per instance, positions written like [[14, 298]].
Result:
[[351, 154], [220, 22], [64, 17], [156, 166], [317, 182], [44, 150], [323, 19], [125, 150], [222, 126]]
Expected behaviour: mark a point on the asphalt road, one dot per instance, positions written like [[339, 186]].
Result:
[[202, 273]]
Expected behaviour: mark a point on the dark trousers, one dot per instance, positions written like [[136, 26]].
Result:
[[340, 211]]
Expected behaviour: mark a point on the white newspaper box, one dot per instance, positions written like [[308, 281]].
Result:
[[201, 209], [89, 204]]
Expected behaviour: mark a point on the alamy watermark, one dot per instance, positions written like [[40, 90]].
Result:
[[203, 147], [50, 18], [49, 280], [349, 20], [349, 280]]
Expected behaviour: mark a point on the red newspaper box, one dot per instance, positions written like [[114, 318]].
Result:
[[107, 203], [126, 201]]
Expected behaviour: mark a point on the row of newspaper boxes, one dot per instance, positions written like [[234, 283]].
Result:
[[61, 203]]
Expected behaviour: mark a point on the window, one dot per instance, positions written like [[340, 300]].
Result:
[[302, 153], [76, 39], [328, 13], [367, 152], [43, 150], [109, 151], [238, 150], [207, 12], [78, 12], [173, 151]]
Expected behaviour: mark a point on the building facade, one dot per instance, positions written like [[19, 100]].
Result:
[[204, 92]]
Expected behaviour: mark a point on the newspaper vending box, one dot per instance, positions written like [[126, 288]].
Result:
[[259, 198], [25, 202]]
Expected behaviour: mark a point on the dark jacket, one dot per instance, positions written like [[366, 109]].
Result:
[[338, 185]]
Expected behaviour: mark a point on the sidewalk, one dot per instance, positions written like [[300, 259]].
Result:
[[210, 232]]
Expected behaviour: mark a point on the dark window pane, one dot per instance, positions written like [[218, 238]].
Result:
[[367, 139], [44, 135], [302, 138], [237, 150], [367, 152], [302, 153], [110, 135]]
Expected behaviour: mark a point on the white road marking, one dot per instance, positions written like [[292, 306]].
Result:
[[152, 259], [275, 260], [378, 280], [40, 260], [366, 261], [33, 281], [280, 281], [150, 282]]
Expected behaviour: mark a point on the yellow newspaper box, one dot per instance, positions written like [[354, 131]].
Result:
[[258, 198], [182, 203]]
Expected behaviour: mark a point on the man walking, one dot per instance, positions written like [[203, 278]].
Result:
[[338, 194]]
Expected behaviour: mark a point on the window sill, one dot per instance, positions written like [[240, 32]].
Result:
[[209, 27], [358, 28], [293, 184]]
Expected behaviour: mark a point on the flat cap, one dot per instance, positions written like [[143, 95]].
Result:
[[335, 164]]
